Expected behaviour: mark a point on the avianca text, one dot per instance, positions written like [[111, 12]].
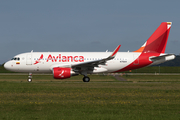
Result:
[[61, 58]]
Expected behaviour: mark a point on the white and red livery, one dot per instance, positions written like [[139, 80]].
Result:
[[66, 64]]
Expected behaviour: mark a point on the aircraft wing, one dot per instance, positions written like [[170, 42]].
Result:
[[91, 64]]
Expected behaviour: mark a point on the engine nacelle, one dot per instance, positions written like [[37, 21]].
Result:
[[62, 73]]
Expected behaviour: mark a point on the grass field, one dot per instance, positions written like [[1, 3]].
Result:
[[157, 69], [103, 98]]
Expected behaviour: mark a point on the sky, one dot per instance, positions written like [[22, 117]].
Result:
[[84, 25]]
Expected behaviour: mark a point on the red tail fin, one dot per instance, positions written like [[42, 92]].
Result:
[[157, 41]]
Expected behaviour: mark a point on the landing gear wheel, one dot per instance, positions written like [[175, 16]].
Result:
[[86, 79], [29, 79]]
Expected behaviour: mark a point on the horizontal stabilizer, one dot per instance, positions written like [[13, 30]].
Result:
[[162, 58]]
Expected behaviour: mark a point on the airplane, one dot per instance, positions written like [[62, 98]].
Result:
[[66, 64]]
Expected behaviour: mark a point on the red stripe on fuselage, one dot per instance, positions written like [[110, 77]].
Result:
[[143, 61]]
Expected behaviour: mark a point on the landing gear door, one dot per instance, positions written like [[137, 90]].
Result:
[[29, 59]]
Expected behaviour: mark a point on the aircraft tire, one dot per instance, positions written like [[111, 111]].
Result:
[[86, 79], [29, 80]]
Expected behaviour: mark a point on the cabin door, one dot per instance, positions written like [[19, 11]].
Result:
[[29, 59]]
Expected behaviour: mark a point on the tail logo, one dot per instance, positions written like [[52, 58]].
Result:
[[158, 40]]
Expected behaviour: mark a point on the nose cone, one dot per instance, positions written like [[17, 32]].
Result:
[[7, 65]]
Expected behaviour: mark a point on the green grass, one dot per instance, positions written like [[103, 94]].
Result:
[[152, 78], [156, 69], [104, 98]]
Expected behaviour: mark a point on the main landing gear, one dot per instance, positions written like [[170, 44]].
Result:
[[29, 77], [86, 79]]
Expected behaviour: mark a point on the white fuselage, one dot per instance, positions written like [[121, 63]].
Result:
[[44, 62]]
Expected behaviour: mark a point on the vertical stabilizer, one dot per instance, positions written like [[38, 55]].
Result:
[[158, 40]]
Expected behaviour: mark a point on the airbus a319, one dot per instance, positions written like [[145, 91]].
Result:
[[66, 64]]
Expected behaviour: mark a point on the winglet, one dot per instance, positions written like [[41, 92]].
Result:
[[115, 51]]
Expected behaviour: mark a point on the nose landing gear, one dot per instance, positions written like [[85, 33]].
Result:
[[29, 77]]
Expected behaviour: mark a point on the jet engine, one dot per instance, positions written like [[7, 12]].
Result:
[[62, 73]]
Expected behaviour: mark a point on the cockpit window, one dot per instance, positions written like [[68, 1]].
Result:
[[16, 58]]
